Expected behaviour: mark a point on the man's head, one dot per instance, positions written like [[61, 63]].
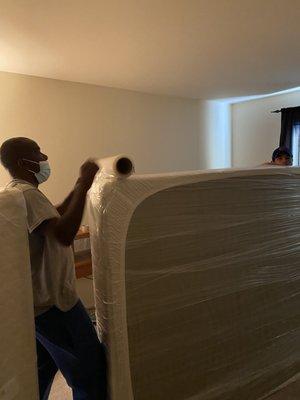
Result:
[[282, 156], [21, 157]]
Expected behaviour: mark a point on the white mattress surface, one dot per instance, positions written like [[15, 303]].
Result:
[[18, 374], [197, 282]]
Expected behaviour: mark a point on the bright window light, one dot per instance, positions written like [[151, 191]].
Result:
[[296, 144]]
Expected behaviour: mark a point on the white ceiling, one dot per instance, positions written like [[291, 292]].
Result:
[[192, 48]]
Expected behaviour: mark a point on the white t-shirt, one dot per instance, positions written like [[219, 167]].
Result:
[[52, 264]]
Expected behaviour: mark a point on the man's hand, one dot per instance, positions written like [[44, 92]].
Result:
[[87, 174], [88, 171]]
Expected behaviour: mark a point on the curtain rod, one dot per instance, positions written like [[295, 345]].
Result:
[[289, 108], [276, 111]]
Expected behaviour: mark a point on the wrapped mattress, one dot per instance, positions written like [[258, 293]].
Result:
[[197, 282], [18, 374]]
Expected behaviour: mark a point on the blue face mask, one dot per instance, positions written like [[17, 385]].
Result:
[[44, 172]]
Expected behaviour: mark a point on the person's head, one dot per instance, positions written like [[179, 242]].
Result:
[[23, 158], [282, 156]]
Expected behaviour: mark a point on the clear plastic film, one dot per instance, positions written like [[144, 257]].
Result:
[[18, 372], [197, 282]]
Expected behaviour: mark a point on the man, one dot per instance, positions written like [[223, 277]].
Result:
[[66, 338], [281, 157]]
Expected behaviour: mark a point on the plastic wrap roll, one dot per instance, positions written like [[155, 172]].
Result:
[[119, 166]]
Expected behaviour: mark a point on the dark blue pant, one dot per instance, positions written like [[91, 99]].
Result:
[[68, 341]]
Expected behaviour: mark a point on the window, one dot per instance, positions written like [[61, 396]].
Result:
[[296, 144]]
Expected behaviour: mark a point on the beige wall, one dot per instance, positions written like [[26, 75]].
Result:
[[214, 135], [255, 130], [73, 121]]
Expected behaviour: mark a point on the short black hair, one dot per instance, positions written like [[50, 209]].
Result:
[[281, 151], [12, 150]]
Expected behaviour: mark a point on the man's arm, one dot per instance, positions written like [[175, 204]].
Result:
[[66, 227], [62, 208]]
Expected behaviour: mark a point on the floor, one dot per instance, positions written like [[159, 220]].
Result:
[[291, 392], [60, 391]]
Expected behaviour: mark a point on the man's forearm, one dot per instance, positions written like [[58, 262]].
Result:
[[68, 224], [65, 228], [62, 208]]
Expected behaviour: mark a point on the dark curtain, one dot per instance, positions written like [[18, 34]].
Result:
[[289, 117]]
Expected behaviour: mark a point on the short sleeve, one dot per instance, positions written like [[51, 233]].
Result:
[[39, 209]]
